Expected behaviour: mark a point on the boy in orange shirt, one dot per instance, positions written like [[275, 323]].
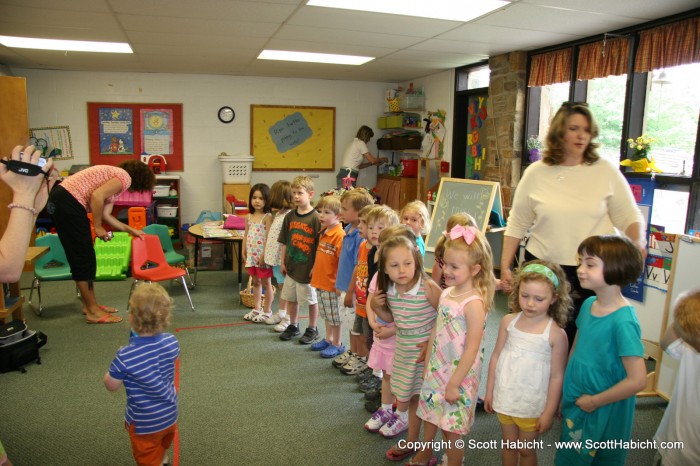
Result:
[[324, 274]]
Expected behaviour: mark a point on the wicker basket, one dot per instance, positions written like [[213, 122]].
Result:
[[247, 298]]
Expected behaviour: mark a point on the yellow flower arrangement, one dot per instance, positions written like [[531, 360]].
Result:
[[641, 147], [641, 161]]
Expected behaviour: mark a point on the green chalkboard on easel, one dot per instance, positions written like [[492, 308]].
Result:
[[477, 198]]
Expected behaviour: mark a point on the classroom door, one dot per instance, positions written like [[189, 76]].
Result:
[[475, 162], [469, 143]]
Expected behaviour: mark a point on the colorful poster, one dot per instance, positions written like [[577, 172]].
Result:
[[116, 131], [157, 132], [476, 137]]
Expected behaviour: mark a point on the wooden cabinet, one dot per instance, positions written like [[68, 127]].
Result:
[[240, 191], [14, 127], [167, 203], [396, 191]]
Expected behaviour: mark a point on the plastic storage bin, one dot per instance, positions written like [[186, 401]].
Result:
[[237, 169], [410, 167], [412, 101], [167, 211], [161, 190]]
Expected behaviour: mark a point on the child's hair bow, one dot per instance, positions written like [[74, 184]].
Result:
[[468, 233]]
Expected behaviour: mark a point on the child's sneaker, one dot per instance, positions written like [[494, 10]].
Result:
[[283, 324], [357, 366], [290, 332], [310, 336], [332, 351], [394, 426], [371, 384], [365, 375], [320, 345], [373, 405], [378, 419], [260, 318], [275, 318], [252, 314], [342, 358]]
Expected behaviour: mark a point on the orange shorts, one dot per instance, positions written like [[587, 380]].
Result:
[[149, 449]]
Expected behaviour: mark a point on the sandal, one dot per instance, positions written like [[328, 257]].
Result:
[[262, 317], [251, 314], [396, 453], [105, 319], [432, 462]]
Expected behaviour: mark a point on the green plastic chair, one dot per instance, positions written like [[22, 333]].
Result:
[[52, 266], [171, 256]]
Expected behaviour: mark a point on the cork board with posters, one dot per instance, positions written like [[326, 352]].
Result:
[[292, 138], [124, 131]]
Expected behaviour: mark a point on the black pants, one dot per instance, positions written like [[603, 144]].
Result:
[[578, 295], [73, 228]]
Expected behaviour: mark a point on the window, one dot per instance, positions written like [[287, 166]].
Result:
[[671, 117], [473, 78], [606, 99], [551, 98]]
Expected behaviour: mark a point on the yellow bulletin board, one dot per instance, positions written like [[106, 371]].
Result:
[[292, 138]]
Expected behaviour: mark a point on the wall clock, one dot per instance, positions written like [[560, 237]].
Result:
[[226, 114]]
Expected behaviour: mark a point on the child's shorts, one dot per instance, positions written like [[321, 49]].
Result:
[[525, 424], [296, 292], [277, 273], [150, 448], [329, 307], [360, 326], [260, 272]]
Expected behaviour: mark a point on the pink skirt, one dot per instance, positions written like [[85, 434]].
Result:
[[381, 356]]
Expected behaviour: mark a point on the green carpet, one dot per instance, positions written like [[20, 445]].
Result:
[[245, 396]]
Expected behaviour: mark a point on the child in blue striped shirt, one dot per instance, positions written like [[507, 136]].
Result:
[[146, 368]]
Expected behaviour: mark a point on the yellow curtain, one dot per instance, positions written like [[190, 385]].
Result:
[[602, 59], [550, 68], [669, 45]]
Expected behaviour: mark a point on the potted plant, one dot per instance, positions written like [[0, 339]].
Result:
[[534, 146], [641, 160]]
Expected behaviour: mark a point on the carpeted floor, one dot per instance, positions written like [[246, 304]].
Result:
[[245, 396]]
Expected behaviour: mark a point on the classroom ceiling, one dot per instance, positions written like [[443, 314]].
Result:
[[225, 36]]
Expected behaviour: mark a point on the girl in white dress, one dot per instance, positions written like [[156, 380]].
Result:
[[527, 366]]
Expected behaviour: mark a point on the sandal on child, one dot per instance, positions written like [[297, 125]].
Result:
[[397, 453], [262, 317], [251, 314], [431, 462]]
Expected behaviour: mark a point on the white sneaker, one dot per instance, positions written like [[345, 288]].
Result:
[[395, 426], [275, 319], [282, 326], [252, 314], [378, 419]]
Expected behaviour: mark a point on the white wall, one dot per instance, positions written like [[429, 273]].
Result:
[[58, 98]]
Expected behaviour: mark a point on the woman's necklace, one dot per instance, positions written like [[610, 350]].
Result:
[[563, 171], [459, 294]]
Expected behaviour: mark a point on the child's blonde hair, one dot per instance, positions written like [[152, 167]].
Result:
[[281, 195], [150, 308], [358, 197], [460, 218], [329, 202], [364, 212], [383, 280], [479, 253], [305, 182], [552, 275], [421, 209], [687, 317], [398, 229], [382, 212]]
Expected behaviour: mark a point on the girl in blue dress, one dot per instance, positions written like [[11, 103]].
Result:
[[606, 368]]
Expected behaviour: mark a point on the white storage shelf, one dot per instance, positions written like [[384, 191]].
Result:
[[169, 208]]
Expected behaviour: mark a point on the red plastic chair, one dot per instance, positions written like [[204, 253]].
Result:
[[148, 264]]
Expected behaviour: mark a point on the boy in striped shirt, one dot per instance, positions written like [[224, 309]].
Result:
[[146, 368]]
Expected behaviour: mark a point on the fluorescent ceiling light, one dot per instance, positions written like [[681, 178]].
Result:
[[65, 45], [453, 10], [313, 57]]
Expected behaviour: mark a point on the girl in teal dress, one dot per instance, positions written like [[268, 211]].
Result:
[[606, 368]]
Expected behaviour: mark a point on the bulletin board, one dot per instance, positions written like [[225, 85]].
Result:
[[477, 198], [292, 138], [124, 131]]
